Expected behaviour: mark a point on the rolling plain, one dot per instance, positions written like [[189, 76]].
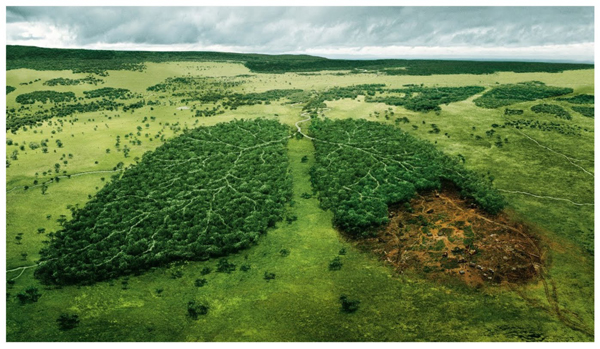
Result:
[[306, 267]]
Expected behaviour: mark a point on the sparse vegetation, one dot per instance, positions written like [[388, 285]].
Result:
[[551, 126]]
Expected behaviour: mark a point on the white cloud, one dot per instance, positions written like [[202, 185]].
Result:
[[576, 52], [38, 34], [542, 33]]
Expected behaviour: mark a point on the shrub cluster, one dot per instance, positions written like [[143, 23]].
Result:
[[585, 111], [551, 109], [579, 99], [569, 130], [45, 96], [515, 93], [424, 99], [508, 111], [70, 82], [109, 93]]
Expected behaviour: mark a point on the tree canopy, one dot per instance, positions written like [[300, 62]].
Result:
[[552, 109], [424, 99], [207, 193], [362, 167], [45, 96], [99, 61], [504, 95]]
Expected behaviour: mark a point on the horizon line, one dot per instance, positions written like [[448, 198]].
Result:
[[348, 57]]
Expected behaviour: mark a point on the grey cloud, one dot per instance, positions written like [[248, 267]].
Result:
[[286, 29]]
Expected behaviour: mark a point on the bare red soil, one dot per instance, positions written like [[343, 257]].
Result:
[[442, 233]]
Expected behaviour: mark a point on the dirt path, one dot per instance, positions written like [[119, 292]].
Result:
[[570, 159], [62, 176], [300, 129], [544, 197]]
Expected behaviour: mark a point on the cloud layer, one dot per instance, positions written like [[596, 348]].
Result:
[[545, 33]]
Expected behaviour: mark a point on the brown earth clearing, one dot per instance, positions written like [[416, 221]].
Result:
[[443, 233]]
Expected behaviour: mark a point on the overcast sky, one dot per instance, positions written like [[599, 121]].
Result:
[[525, 33]]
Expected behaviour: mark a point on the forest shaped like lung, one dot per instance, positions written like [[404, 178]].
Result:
[[363, 167], [210, 192]]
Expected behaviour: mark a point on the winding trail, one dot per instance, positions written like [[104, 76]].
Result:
[[297, 124], [544, 197], [570, 159], [573, 161], [22, 269]]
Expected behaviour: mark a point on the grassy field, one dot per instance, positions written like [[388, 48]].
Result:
[[546, 177]]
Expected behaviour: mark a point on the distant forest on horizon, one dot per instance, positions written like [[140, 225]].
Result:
[[98, 61]]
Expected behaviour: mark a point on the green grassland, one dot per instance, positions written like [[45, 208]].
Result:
[[546, 177]]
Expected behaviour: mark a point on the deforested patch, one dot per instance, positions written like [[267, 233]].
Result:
[[442, 233]]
